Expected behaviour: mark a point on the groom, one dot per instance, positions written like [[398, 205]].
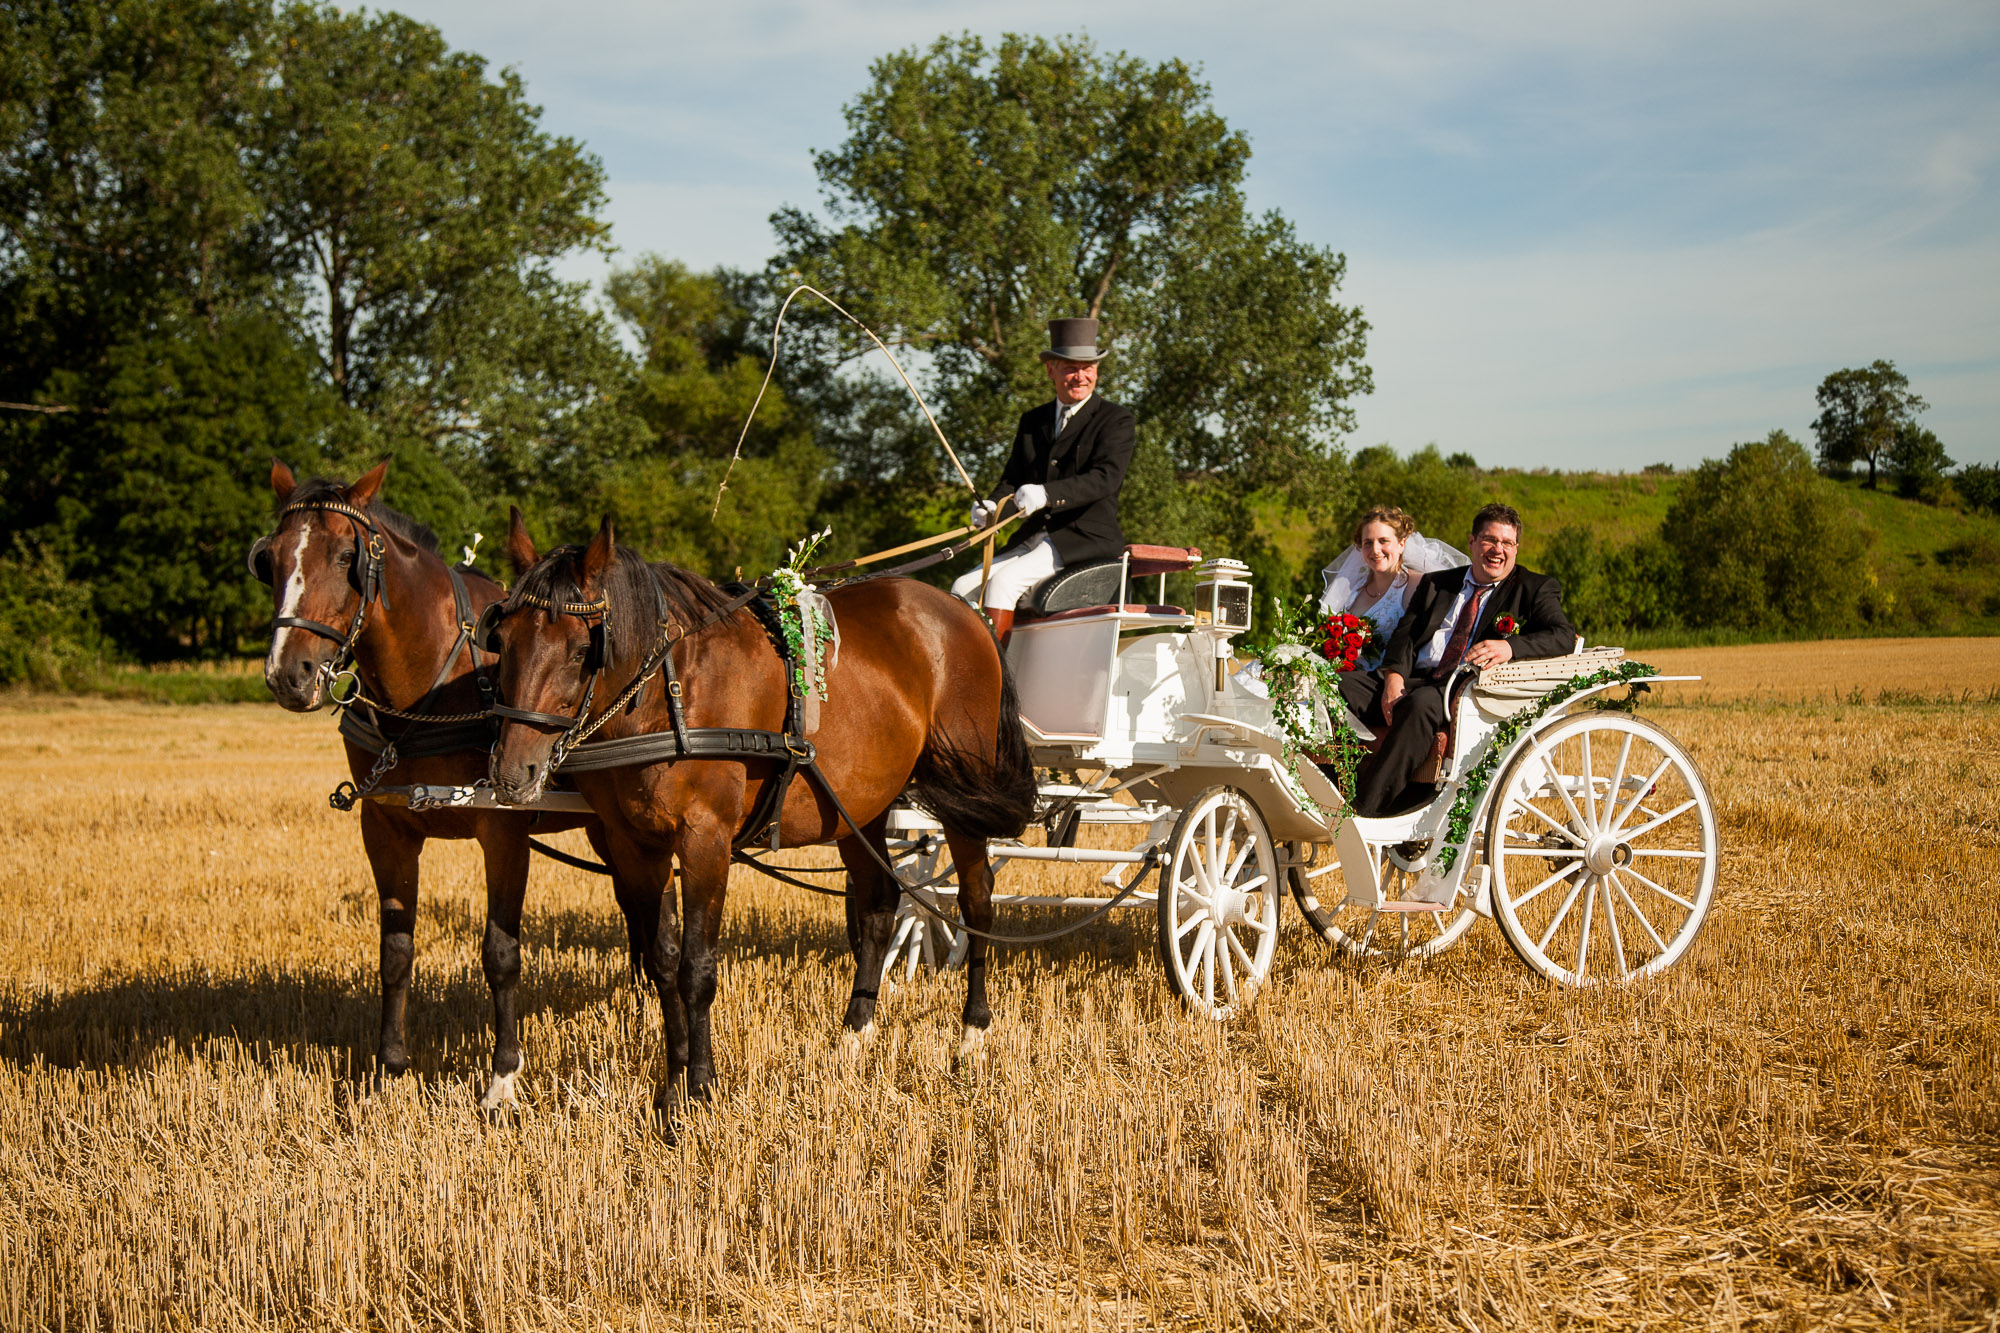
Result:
[[1455, 617]]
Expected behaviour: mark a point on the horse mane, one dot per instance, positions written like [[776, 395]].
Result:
[[326, 488], [639, 596]]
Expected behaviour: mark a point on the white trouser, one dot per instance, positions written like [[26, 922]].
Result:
[[1013, 574]]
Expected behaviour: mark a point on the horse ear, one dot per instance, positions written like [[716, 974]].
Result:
[[362, 493], [520, 546], [597, 557], [282, 480]]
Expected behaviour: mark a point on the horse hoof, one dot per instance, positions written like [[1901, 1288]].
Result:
[[971, 1052], [853, 1043], [501, 1093]]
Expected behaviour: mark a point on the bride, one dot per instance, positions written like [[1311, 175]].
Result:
[[1378, 575]]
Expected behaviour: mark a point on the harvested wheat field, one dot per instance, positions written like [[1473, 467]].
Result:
[[1797, 1127]]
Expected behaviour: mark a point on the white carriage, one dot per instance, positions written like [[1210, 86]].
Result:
[[1593, 844]]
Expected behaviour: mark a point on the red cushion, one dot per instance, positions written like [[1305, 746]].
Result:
[[1147, 560]]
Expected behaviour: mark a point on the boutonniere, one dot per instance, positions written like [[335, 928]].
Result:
[[1507, 627]]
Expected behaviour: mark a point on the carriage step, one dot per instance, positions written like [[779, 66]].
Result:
[[1411, 907]]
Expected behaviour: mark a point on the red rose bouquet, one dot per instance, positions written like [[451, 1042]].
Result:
[[1343, 638]]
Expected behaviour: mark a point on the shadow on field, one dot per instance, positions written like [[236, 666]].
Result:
[[126, 1023]]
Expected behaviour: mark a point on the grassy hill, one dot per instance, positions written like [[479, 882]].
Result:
[[1941, 564]]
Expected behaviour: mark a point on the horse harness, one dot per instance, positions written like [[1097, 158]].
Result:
[[575, 752], [427, 733]]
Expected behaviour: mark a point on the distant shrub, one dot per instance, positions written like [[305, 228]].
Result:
[[1463, 461], [1434, 490], [1764, 542], [1609, 590], [1978, 484], [1918, 462], [48, 635], [1659, 469]]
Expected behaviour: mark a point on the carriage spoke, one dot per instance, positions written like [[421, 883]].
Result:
[[1204, 949], [1256, 923], [1535, 892], [1670, 851], [1583, 939], [1611, 792], [1249, 963], [1663, 892], [1655, 822], [1590, 784], [1562, 790], [1194, 918], [1236, 866], [1639, 792], [1368, 935], [1611, 924], [1547, 853], [1228, 966], [1626, 894], [1186, 889], [1543, 943], [1536, 811]]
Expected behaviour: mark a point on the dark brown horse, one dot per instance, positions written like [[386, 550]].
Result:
[[918, 699], [355, 581]]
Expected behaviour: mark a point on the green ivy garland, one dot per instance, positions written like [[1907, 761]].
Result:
[[1480, 776], [1297, 676], [787, 585]]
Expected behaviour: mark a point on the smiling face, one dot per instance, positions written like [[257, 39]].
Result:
[[1074, 380], [1494, 548], [1381, 549]]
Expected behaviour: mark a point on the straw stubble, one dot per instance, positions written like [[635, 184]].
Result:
[[1795, 1127]]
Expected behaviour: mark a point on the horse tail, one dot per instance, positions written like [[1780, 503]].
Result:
[[971, 794]]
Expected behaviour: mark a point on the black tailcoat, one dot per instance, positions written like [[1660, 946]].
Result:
[[1534, 600], [1082, 471]]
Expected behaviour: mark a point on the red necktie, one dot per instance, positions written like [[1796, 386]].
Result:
[[1461, 633]]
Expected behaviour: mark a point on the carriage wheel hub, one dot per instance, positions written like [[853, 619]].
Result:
[[1606, 853]]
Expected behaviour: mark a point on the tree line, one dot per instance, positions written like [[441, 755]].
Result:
[[234, 229]]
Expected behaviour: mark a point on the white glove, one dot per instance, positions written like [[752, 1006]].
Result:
[[1031, 497], [982, 513]]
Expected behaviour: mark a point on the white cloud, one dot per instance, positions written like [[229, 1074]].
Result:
[[1586, 234]]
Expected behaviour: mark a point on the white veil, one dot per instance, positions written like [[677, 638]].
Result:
[[1421, 555]]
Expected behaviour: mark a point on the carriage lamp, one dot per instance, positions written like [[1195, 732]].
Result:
[[1222, 595], [1222, 604]]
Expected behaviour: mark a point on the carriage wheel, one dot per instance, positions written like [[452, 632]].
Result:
[[1603, 844], [920, 940], [1362, 932], [1218, 901]]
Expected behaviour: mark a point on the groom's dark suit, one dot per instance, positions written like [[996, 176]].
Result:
[[1082, 470], [1533, 600]]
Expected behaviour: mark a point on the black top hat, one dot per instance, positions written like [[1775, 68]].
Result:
[[1073, 340]]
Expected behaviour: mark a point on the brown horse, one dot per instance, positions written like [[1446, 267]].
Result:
[[918, 698], [355, 581]]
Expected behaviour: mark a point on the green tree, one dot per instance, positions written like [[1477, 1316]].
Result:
[[1918, 462], [228, 231], [1861, 411], [982, 191], [699, 376], [1608, 589], [1978, 484], [1764, 542], [420, 208]]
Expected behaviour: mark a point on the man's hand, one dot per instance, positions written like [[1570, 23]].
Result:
[[1392, 692], [982, 512], [1490, 652], [1030, 497]]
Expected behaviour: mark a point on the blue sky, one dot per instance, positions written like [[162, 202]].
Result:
[[1587, 235]]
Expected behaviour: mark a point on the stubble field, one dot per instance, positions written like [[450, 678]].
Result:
[[1797, 1127]]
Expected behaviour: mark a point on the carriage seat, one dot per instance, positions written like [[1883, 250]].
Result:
[[1098, 585]]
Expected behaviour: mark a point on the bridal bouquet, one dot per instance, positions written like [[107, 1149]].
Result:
[[1344, 638]]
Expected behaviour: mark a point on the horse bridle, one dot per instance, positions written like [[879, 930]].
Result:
[[596, 615], [367, 580]]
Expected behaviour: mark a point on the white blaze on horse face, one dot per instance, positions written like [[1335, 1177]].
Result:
[[295, 592]]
